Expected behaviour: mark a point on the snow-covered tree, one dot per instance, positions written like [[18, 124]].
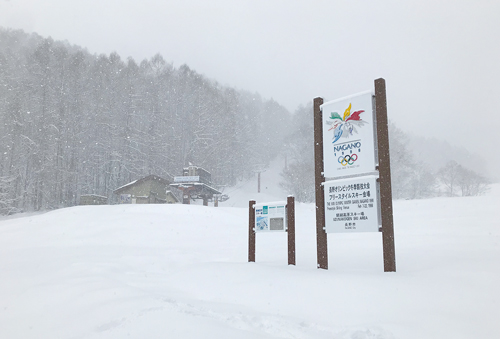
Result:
[[458, 180], [73, 123], [410, 179], [298, 176]]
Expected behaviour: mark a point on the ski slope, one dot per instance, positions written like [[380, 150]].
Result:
[[180, 271]]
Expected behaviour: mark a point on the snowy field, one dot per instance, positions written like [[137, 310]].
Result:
[[179, 271]]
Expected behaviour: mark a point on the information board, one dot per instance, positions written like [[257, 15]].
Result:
[[348, 135], [352, 205], [270, 216]]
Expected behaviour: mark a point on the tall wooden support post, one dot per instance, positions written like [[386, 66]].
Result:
[[290, 216], [186, 195], [251, 231], [321, 236], [385, 177]]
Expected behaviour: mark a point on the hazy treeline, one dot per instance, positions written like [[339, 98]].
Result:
[[410, 177], [73, 123]]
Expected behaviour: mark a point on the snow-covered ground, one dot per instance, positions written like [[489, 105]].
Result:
[[180, 271], [270, 189]]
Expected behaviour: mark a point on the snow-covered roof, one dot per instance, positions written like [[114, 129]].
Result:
[[126, 185], [149, 177], [93, 195], [197, 184]]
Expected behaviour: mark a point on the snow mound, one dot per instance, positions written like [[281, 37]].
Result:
[[181, 271]]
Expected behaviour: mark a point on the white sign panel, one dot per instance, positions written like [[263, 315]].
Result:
[[194, 178], [348, 136], [270, 216], [352, 205]]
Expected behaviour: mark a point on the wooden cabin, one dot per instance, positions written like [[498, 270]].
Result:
[[148, 190]]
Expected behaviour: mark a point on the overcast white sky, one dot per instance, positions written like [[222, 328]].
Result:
[[440, 59]]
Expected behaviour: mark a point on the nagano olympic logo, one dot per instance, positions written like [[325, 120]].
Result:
[[348, 159], [346, 125]]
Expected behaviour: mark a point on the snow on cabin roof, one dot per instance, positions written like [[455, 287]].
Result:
[[129, 184], [196, 184], [149, 177], [93, 195]]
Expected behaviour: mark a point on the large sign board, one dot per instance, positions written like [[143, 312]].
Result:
[[352, 170], [270, 216], [348, 135], [352, 205]]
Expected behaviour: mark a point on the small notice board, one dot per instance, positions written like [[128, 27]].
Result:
[[270, 217]]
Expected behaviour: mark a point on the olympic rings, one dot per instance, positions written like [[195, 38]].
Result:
[[349, 159]]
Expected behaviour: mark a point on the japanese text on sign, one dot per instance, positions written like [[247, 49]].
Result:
[[351, 205]]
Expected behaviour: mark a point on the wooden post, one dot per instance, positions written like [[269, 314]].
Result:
[[186, 195], [321, 236], [290, 216], [384, 168], [251, 232], [216, 201]]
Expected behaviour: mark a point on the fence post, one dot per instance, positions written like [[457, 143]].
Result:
[[290, 215], [321, 236], [251, 231], [385, 177]]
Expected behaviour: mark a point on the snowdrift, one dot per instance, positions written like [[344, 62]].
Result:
[[179, 271]]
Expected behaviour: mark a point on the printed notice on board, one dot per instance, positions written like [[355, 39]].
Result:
[[352, 205], [270, 216]]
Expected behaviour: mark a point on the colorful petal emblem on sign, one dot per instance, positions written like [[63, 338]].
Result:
[[345, 126]]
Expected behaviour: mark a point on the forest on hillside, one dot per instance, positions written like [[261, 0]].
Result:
[[74, 123]]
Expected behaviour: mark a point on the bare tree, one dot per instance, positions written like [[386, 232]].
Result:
[[472, 183], [458, 180], [449, 175]]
